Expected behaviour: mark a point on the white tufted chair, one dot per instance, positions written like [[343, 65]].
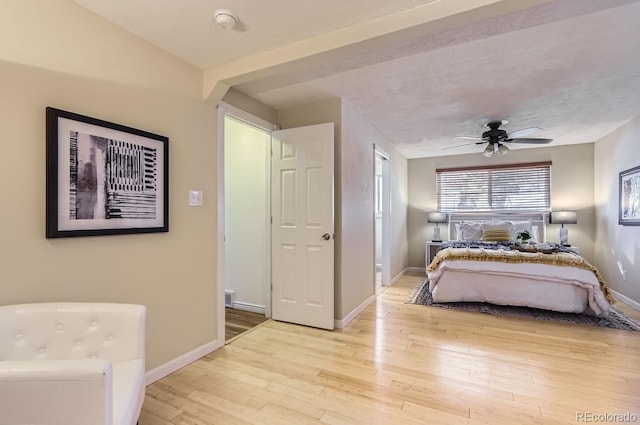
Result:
[[71, 363]]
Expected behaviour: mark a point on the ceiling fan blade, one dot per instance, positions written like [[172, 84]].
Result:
[[459, 146], [469, 137], [523, 132], [531, 141]]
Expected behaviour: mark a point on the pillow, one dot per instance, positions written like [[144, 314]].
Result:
[[458, 232], [471, 231], [534, 234], [520, 225], [501, 232]]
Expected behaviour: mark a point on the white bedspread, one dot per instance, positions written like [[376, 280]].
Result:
[[540, 285]]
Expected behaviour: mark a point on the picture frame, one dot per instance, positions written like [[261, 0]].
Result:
[[629, 201], [104, 178]]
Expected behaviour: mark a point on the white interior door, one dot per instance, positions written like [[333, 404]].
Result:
[[302, 226]]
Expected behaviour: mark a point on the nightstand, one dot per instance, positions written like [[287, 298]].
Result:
[[430, 251], [573, 249]]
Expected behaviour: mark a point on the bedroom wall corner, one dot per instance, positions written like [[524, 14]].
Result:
[[614, 153]]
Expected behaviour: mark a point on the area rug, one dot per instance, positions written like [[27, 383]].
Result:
[[616, 319]]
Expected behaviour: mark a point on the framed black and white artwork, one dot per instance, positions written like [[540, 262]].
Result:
[[104, 178], [629, 205]]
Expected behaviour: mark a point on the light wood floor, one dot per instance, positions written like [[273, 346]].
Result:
[[398, 363]]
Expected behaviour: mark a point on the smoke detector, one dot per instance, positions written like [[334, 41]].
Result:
[[226, 19]]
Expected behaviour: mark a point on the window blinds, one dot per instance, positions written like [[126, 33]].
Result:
[[517, 187]]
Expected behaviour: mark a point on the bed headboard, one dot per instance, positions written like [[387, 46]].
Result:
[[538, 219]]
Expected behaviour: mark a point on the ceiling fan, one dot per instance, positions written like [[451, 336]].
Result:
[[495, 138]]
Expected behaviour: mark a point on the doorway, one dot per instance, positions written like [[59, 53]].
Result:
[[247, 206], [302, 195], [382, 212]]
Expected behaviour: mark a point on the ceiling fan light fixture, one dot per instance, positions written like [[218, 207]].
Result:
[[488, 151], [502, 149]]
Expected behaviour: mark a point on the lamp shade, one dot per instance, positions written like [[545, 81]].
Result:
[[436, 217], [563, 217]]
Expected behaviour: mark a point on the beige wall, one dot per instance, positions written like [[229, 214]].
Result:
[[617, 152], [358, 140], [357, 227], [102, 71], [572, 182]]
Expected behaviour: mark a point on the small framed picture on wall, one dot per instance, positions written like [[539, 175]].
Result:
[[629, 205]]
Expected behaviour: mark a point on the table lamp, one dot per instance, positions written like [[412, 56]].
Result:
[[436, 217], [563, 217]]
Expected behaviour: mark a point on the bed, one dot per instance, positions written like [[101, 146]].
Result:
[[540, 275]]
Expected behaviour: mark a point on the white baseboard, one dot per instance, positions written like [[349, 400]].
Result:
[[181, 361], [628, 301], [253, 308], [415, 269], [193, 355], [405, 271], [349, 317], [397, 277]]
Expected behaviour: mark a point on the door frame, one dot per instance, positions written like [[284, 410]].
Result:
[[386, 215], [225, 109]]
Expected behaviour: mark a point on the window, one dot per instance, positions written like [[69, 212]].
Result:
[[516, 187]]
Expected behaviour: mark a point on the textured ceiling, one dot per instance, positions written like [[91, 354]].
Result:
[[571, 67]]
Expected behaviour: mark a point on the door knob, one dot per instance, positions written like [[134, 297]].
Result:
[[326, 236]]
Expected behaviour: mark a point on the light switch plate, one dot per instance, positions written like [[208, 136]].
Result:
[[195, 198]]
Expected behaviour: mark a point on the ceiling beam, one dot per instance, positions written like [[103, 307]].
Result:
[[324, 53]]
